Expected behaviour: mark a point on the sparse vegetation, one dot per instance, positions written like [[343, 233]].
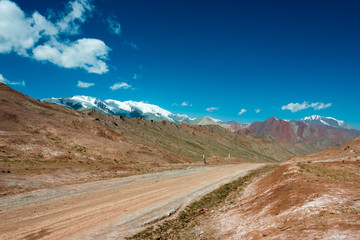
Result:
[[343, 174]]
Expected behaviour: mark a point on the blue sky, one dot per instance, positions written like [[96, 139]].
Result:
[[288, 59]]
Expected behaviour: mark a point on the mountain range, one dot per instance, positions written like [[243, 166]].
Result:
[[326, 121], [33, 131], [130, 109], [313, 134], [148, 111]]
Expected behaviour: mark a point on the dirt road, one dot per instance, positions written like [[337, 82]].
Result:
[[109, 209]]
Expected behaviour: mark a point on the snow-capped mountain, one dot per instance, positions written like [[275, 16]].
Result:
[[129, 109], [327, 121]]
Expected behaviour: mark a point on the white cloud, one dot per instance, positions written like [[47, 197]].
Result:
[[120, 85], [16, 32], [211, 109], [81, 84], [257, 110], [114, 25], [85, 53], [242, 111], [295, 107], [319, 105], [22, 34], [184, 104], [7, 82], [77, 12]]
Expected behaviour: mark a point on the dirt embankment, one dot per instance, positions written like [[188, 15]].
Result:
[[311, 197]]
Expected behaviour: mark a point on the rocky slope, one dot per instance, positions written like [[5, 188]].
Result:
[[316, 137]]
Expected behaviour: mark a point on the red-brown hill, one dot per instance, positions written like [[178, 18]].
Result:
[[316, 137]]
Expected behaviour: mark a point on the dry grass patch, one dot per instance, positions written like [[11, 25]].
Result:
[[340, 172]]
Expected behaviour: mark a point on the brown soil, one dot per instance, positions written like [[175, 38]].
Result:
[[108, 209], [314, 197]]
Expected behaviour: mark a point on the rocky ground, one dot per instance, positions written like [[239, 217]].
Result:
[[310, 197]]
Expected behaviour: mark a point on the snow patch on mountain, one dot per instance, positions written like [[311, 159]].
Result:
[[129, 109], [327, 121]]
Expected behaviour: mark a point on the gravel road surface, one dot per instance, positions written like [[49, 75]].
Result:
[[109, 209]]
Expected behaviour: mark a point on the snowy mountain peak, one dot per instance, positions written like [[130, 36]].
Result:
[[212, 119], [327, 121], [129, 109]]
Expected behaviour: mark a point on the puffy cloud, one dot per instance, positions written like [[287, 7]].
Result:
[[16, 32], [7, 82], [113, 25], [257, 110], [85, 53], [211, 109], [81, 84], [319, 105], [295, 107], [120, 85], [22, 35], [242, 111], [77, 12]]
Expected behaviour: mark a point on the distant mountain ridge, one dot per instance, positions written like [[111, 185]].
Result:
[[148, 111], [327, 121], [312, 133], [129, 109]]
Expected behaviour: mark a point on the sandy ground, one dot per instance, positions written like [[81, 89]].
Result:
[[109, 209]]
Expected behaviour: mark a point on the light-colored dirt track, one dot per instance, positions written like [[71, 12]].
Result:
[[109, 209]]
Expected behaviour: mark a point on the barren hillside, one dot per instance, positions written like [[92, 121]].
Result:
[[311, 197], [43, 144]]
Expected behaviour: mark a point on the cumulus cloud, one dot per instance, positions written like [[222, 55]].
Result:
[[16, 33], [84, 53], [211, 109], [113, 25], [81, 84], [22, 35], [242, 111], [120, 85], [7, 82], [77, 12], [295, 107], [257, 110]]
